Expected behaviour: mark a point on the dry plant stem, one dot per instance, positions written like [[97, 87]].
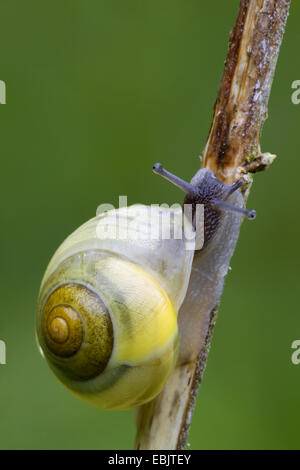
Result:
[[241, 107], [232, 150]]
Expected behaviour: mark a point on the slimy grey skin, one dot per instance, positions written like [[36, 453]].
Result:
[[223, 209]]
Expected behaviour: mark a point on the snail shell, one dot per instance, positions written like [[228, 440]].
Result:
[[107, 310]]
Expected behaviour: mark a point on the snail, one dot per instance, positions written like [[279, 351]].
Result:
[[107, 321]]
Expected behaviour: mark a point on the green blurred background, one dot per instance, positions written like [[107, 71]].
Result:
[[97, 91]]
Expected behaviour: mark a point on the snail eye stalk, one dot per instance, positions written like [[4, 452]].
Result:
[[216, 204], [225, 206], [234, 187], [180, 183]]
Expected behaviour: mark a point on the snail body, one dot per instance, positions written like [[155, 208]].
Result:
[[108, 305]]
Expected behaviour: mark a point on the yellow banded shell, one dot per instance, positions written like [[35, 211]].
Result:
[[107, 314]]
